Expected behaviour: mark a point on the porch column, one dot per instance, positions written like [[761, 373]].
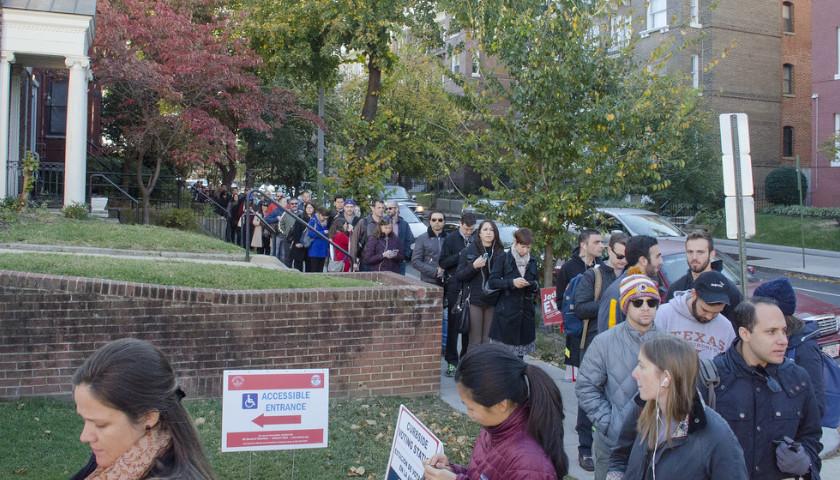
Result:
[[75, 153], [6, 59]]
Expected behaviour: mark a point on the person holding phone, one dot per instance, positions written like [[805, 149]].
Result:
[[514, 275], [383, 252], [473, 273]]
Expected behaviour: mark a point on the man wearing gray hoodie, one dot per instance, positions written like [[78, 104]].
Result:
[[695, 315]]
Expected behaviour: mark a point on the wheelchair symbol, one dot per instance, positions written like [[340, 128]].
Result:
[[249, 401]]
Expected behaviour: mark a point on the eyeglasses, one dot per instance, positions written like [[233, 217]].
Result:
[[436, 220], [617, 256], [391, 208], [651, 302]]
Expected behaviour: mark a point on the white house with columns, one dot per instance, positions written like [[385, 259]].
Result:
[[45, 34]]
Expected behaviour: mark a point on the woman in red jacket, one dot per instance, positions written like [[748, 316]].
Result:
[[339, 235], [521, 414]]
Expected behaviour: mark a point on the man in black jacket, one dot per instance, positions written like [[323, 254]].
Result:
[[700, 255], [449, 254], [585, 256]]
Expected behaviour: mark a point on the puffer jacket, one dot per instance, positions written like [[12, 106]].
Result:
[[319, 248], [759, 416], [426, 256], [507, 452], [604, 384], [803, 348], [706, 450]]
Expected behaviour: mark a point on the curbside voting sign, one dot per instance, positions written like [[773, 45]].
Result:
[[413, 443], [274, 409]]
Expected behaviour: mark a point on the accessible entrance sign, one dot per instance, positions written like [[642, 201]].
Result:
[[413, 444], [274, 409]]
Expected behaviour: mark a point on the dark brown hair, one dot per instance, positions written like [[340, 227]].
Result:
[[523, 236], [134, 377]]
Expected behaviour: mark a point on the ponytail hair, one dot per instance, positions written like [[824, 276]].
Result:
[[134, 377], [493, 374]]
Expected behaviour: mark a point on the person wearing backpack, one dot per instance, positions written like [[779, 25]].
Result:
[[766, 399], [584, 257], [591, 284]]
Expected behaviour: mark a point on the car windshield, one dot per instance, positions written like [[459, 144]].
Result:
[[506, 234], [408, 215], [675, 266], [396, 192], [650, 224]]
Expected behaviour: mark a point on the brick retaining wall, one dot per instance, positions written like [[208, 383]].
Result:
[[382, 340]]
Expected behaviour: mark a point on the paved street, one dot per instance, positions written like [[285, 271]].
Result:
[[819, 263]]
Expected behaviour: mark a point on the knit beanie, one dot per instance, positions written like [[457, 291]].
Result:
[[781, 291], [636, 285]]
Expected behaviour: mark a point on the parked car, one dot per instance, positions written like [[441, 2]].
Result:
[[675, 266], [636, 221], [417, 226], [401, 195]]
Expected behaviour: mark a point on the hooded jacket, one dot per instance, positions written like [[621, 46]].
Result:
[[758, 415], [686, 282], [709, 339], [507, 452], [604, 384], [426, 256], [706, 450]]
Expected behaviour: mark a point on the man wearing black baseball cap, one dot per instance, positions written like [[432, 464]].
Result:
[[695, 315]]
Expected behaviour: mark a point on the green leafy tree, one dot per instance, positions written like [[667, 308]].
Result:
[[573, 121]]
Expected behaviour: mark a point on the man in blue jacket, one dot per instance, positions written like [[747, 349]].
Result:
[[766, 399]]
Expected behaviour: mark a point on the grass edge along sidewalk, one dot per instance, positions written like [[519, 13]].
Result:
[[39, 439], [171, 273], [49, 229]]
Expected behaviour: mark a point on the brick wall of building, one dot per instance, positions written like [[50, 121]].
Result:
[[796, 107], [383, 340], [825, 171]]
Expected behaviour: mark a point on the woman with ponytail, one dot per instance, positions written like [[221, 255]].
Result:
[[134, 422], [520, 412], [677, 435]]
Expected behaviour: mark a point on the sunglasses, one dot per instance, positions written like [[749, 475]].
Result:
[[391, 208], [651, 302], [617, 256], [436, 220]]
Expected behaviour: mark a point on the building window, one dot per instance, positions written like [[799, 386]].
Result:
[[456, 62], [620, 31], [57, 107], [787, 16], [695, 13], [476, 65], [695, 71], [787, 142], [787, 79], [657, 14], [835, 162]]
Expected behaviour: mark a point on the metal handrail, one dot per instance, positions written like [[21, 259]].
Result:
[[305, 223], [104, 177], [208, 197]]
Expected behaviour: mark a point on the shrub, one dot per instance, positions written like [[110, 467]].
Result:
[[76, 211], [780, 186], [180, 218], [796, 210]]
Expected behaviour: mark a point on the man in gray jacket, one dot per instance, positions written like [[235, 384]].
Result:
[[427, 251], [605, 384]]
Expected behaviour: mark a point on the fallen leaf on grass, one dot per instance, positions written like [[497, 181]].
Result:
[[355, 427], [379, 435], [371, 422], [356, 471], [199, 421]]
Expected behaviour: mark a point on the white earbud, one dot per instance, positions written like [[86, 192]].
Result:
[[665, 382]]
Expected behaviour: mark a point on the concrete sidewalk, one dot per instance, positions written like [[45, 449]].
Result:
[[448, 393], [820, 263]]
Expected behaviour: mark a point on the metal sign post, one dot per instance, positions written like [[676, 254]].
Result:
[[739, 202]]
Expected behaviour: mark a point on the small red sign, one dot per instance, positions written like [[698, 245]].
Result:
[[278, 381], [287, 437], [551, 314]]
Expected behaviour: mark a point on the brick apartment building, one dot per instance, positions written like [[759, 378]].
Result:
[[750, 56], [825, 100]]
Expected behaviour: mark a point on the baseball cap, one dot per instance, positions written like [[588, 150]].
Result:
[[350, 201], [711, 287]]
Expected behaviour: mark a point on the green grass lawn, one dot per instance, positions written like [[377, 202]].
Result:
[[187, 274], [820, 233], [40, 440], [43, 227]]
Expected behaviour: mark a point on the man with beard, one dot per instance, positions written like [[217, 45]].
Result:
[[695, 316], [642, 251], [701, 257]]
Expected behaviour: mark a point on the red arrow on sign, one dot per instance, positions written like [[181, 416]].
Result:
[[264, 420]]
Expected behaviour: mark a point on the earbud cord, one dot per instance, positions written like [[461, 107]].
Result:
[[656, 442]]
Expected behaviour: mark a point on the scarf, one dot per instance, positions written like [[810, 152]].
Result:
[[521, 261], [138, 460]]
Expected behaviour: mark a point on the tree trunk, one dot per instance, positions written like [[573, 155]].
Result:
[[373, 90], [146, 189], [548, 267]]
